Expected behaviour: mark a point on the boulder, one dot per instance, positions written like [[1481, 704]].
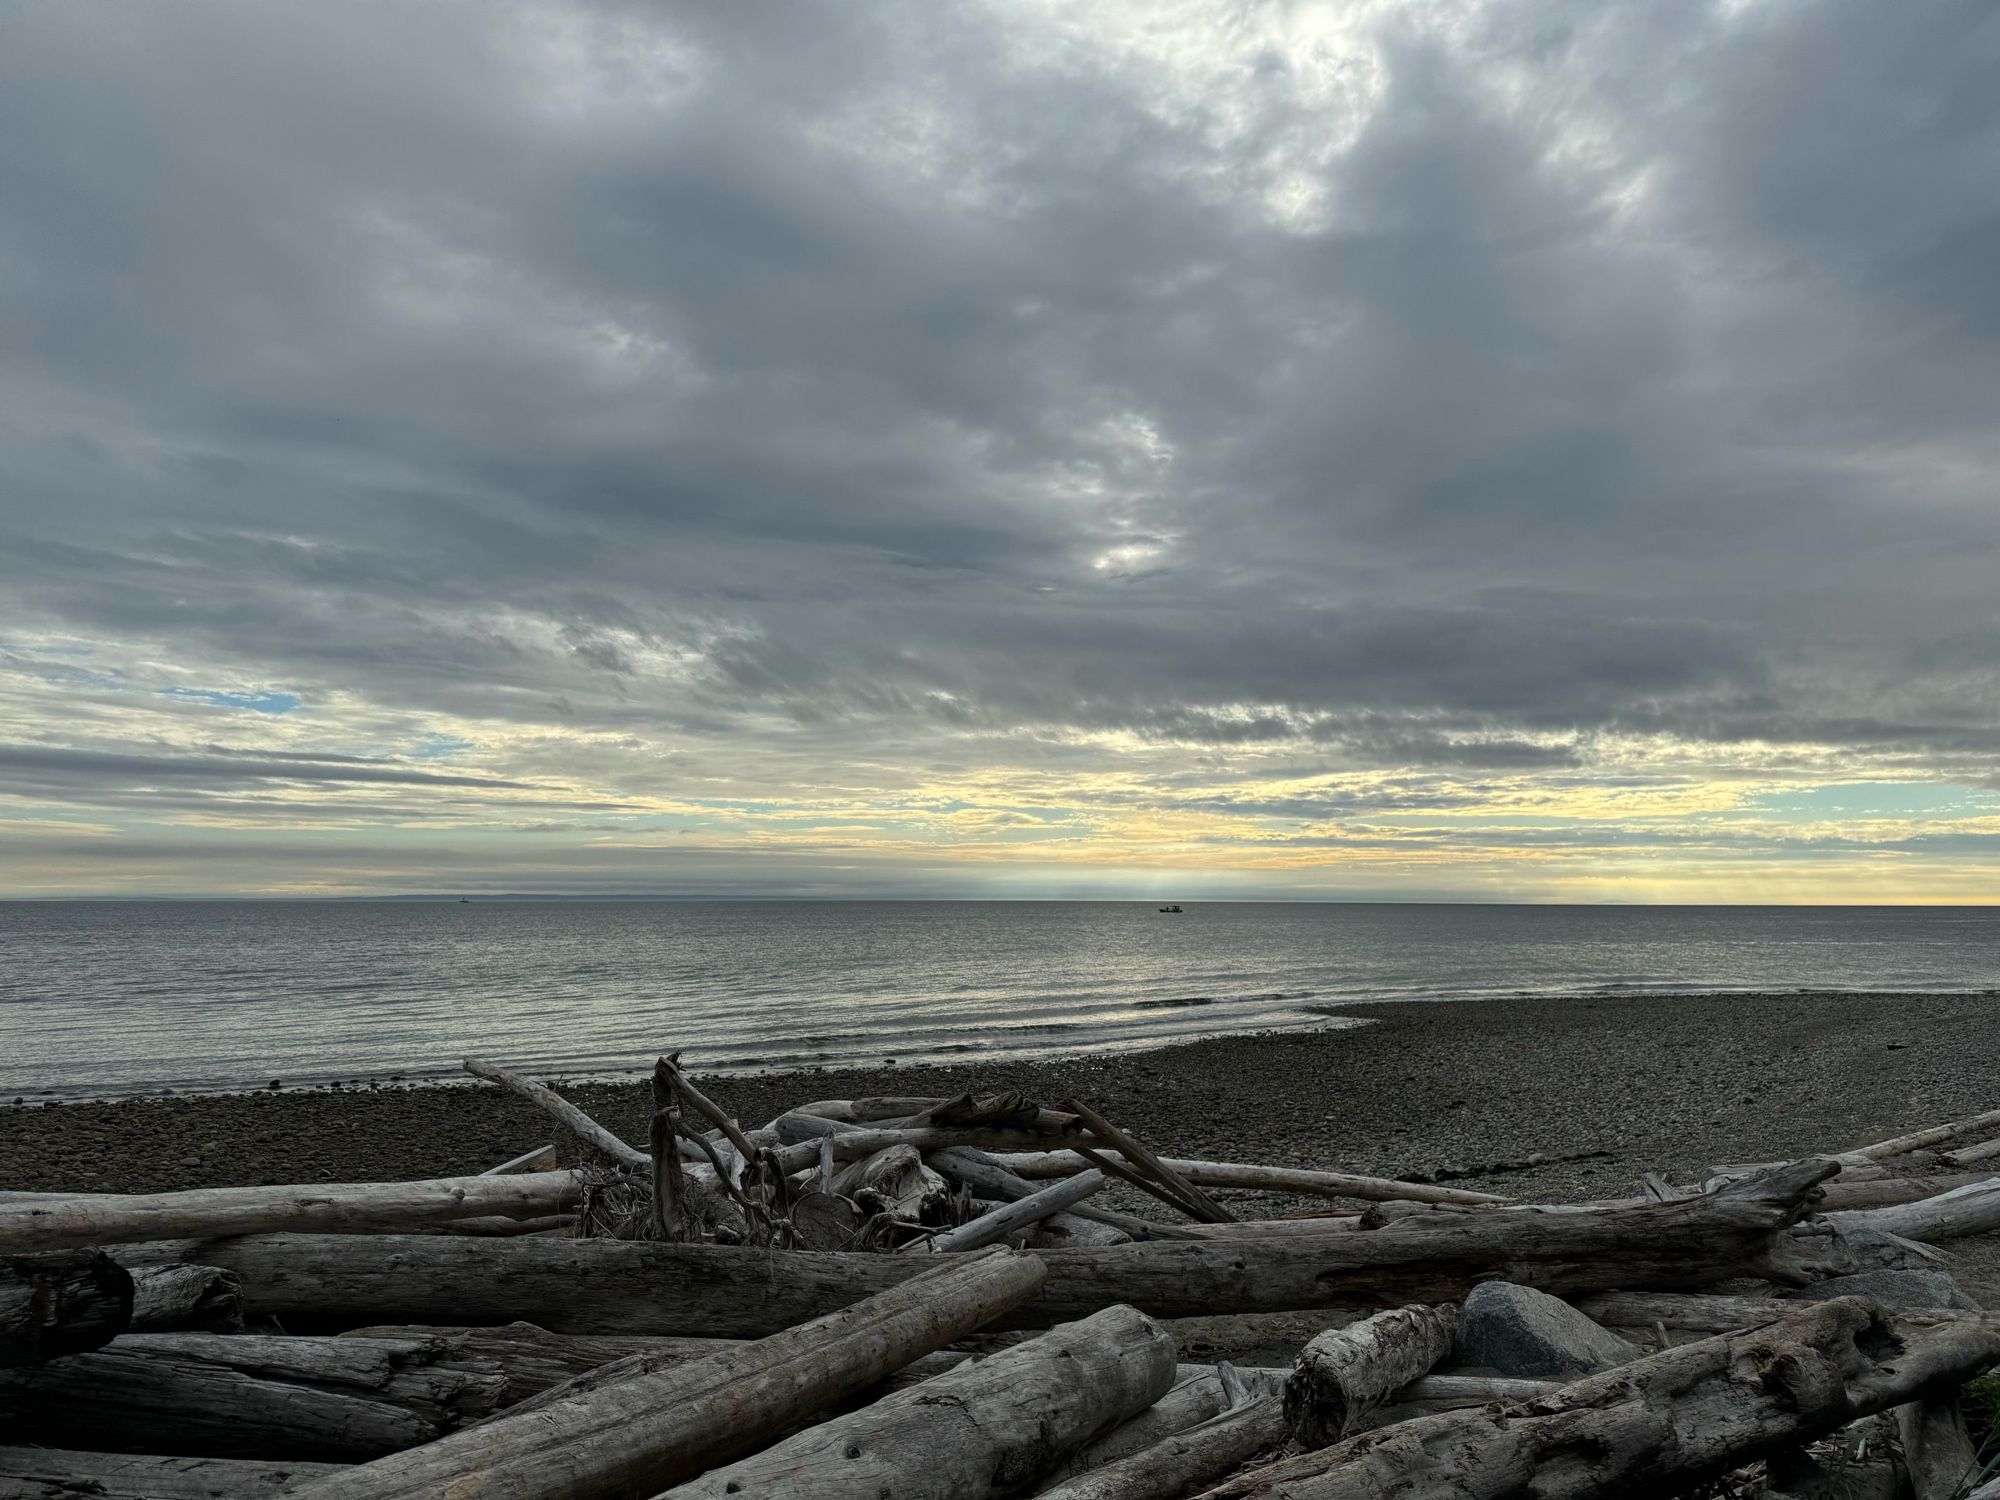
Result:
[[1518, 1331]]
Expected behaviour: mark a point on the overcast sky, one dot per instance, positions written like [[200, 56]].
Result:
[[1383, 450]]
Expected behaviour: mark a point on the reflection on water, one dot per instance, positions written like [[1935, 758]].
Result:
[[102, 996]]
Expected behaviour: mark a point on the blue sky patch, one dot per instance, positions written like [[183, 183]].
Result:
[[256, 703]]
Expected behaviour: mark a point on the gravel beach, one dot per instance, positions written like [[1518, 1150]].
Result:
[[1641, 1083]]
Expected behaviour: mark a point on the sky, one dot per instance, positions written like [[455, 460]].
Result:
[[1493, 450]]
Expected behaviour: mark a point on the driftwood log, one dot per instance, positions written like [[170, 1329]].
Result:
[[323, 1208], [1179, 1463], [1345, 1373], [1014, 1218], [1972, 1128], [60, 1474], [1195, 1398], [654, 1430], [251, 1396], [60, 1303], [1654, 1427], [169, 1299], [986, 1178], [574, 1120], [1962, 1211], [1304, 1180], [983, 1430], [603, 1286]]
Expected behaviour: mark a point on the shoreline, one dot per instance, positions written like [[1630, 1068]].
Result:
[[1667, 1083], [1326, 1016]]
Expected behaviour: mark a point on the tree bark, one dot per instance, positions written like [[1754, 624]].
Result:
[[1312, 1183], [334, 1208], [653, 1430], [60, 1474], [249, 1396], [1011, 1218], [1344, 1373], [1654, 1427], [602, 1286], [59, 1303], [171, 1299], [983, 1430]]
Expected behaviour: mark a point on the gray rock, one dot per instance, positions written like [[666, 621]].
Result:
[[1893, 1289], [1516, 1330]]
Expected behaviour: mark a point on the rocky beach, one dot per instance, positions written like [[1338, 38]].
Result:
[[1601, 1089]]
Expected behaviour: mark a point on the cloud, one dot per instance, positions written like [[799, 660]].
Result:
[[1185, 413]]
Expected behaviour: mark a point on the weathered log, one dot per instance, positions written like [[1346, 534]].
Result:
[[541, 1159], [249, 1396], [1179, 1463], [852, 1142], [499, 1224], [1653, 1427], [1976, 1127], [325, 1208], [595, 1286], [1965, 1156], [1194, 1399], [1200, 1206], [653, 1430], [1435, 1393], [984, 1429], [1303, 1180], [1344, 1373], [574, 1120], [1969, 1210], [1880, 1192], [866, 1111], [1938, 1452], [986, 1178], [63, 1474], [60, 1303], [1011, 1218], [169, 1299], [1703, 1313], [903, 1186]]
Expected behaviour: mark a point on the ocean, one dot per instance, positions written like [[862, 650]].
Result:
[[123, 997]]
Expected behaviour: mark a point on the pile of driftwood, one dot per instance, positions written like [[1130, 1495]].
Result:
[[928, 1297]]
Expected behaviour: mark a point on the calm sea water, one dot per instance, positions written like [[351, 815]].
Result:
[[104, 997]]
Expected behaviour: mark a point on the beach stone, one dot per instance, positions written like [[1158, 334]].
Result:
[[1893, 1289], [1516, 1330]]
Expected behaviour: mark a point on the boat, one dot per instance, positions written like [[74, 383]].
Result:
[[1165, 909]]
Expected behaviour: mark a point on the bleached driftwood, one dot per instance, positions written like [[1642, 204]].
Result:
[[1346, 1372], [1974, 1127], [168, 1299], [1969, 1210], [574, 1120], [851, 1143], [642, 1434], [1652, 1427], [1303, 1180], [1965, 1156], [1182, 1461], [1135, 1154], [1011, 1218], [541, 1159], [982, 1430], [986, 1178], [323, 1208], [602, 1286], [62, 1474], [60, 1303], [1194, 1399]]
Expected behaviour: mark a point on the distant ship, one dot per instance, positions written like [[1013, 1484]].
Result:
[[1169, 909]]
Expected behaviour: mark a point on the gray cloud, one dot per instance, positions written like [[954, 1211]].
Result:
[[713, 404]]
